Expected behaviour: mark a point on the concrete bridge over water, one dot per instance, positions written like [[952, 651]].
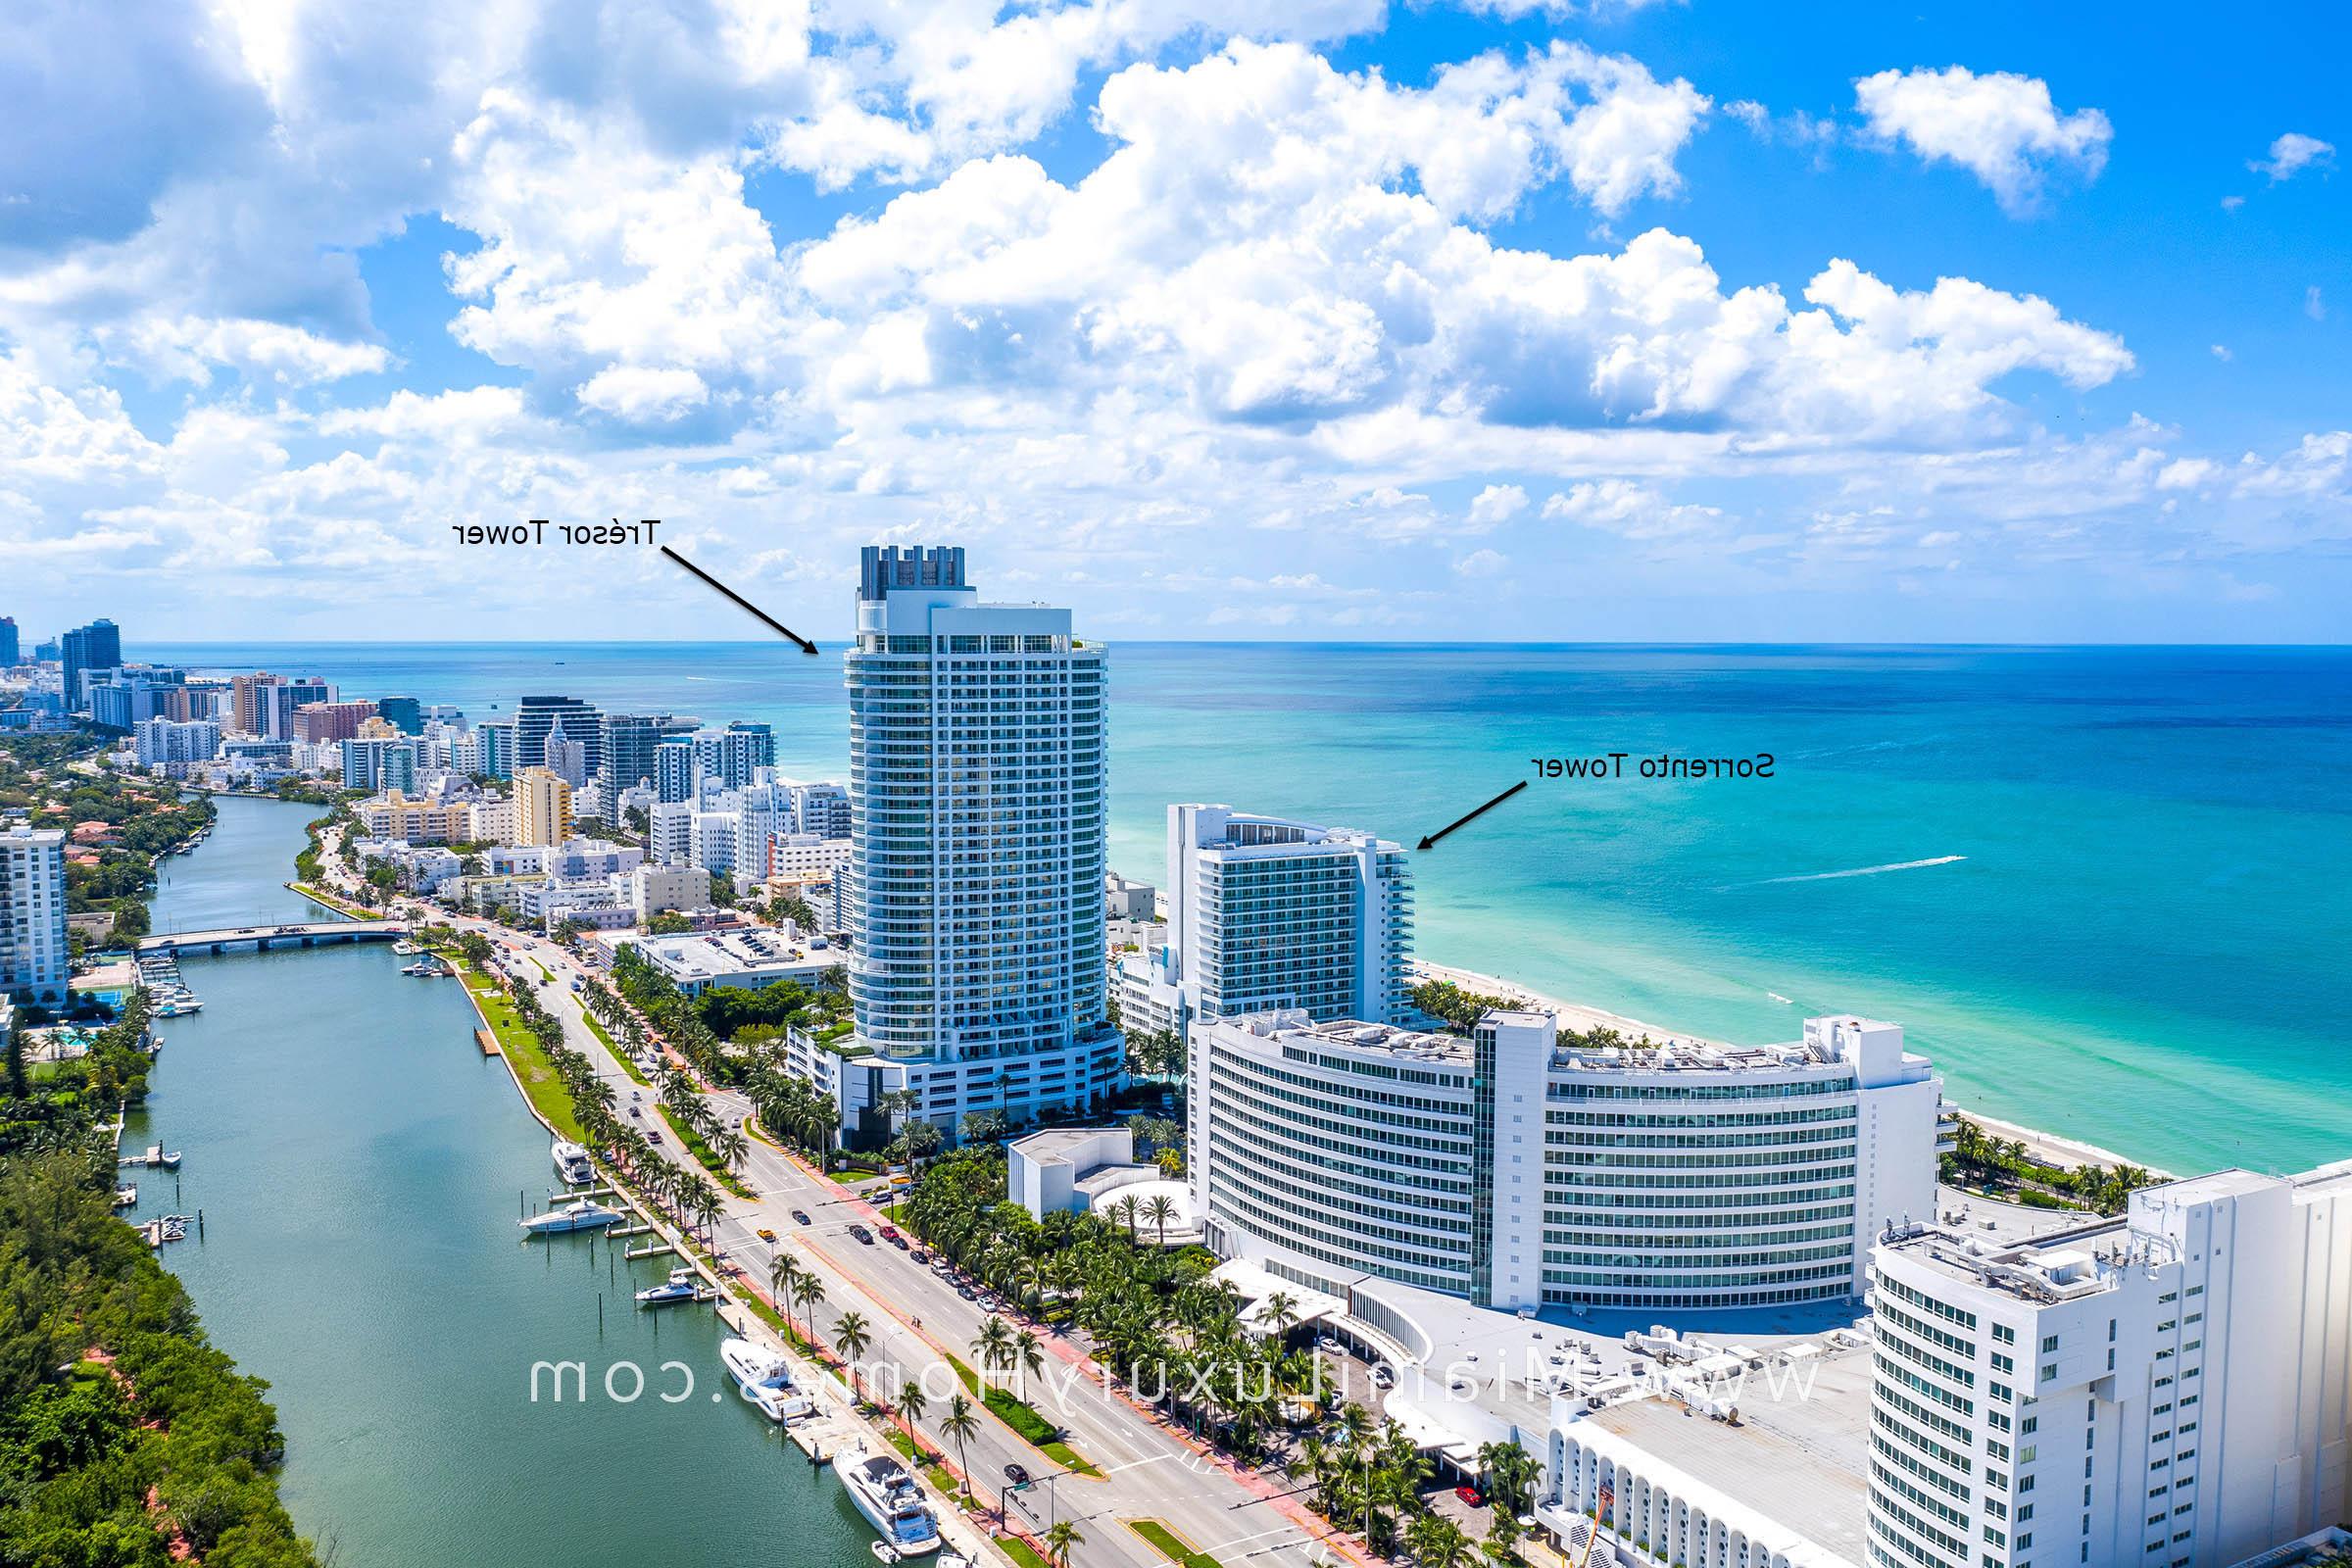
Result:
[[317, 934]]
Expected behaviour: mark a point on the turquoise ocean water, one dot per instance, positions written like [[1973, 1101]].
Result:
[[2136, 931]]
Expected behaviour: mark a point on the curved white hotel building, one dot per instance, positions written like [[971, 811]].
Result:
[[1511, 1171]]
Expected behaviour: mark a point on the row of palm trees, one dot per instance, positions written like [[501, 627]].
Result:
[[788, 1107], [1178, 1339], [682, 1098], [799, 1289], [687, 1196], [2006, 1161], [666, 1009]]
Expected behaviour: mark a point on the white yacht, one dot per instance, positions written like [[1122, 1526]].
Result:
[[580, 1215], [684, 1285], [765, 1379], [891, 1501], [572, 1163]]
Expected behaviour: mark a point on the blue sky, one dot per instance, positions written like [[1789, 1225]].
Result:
[[1498, 319]]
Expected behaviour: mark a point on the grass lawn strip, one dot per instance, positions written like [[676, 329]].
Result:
[[618, 1054], [703, 1155], [1026, 1424], [1171, 1545], [525, 1056]]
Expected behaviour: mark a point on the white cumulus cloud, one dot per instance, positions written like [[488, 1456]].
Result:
[[2294, 153], [2000, 127], [1497, 504]]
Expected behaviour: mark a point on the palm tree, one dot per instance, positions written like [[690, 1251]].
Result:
[[1508, 1471], [1058, 1542], [1438, 1542], [850, 1339], [1355, 1424], [1278, 1312], [1159, 1210], [958, 1427], [992, 1346], [783, 1278], [807, 1292], [1027, 1358], [912, 1401]]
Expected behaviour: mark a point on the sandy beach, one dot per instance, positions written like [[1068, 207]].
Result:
[[2046, 1146], [1571, 1016]]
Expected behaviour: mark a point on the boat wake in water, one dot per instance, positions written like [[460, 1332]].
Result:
[[1862, 870]]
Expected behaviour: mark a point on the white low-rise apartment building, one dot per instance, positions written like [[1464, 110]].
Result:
[[803, 858], [1514, 1172], [2169, 1390], [657, 889], [426, 866], [750, 958], [490, 821]]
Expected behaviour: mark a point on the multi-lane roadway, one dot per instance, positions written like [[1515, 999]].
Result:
[[915, 1316]]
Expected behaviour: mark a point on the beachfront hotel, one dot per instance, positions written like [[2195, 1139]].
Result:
[[978, 786], [1514, 1171], [2171, 1389], [1266, 913]]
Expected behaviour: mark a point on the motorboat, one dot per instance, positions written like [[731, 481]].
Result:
[[684, 1285], [179, 1009], [764, 1378], [572, 1163], [127, 1196], [405, 949], [580, 1215], [882, 1489]]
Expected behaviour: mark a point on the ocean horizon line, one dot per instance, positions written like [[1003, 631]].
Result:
[[1264, 642]]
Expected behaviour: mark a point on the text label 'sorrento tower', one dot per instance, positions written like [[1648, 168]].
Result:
[[978, 788]]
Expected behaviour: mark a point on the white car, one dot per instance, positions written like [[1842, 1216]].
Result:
[[1382, 1378]]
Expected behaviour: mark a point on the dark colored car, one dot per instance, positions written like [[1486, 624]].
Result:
[[800, 1216], [862, 1234], [1017, 1474]]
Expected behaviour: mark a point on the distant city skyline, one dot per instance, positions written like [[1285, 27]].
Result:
[[1515, 319]]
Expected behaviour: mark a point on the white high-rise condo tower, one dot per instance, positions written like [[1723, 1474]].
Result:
[[2168, 1388], [33, 957], [977, 794], [1266, 914]]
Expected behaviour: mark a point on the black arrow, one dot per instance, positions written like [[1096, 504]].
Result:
[[1433, 838], [806, 647]]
